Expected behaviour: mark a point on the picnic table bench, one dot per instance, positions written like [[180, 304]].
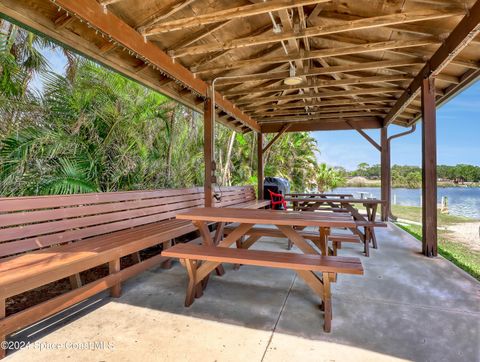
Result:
[[213, 255], [47, 238], [368, 222], [318, 238]]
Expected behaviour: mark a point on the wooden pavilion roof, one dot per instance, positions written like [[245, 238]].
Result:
[[361, 61]]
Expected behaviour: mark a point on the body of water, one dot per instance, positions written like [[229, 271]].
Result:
[[462, 201]]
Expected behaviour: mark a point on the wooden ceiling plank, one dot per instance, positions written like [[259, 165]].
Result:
[[459, 38], [317, 31], [226, 14]]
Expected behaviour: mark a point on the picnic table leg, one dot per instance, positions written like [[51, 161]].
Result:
[[192, 288], [218, 236], [366, 241], [323, 240], [373, 216], [327, 303], [374, 239], [207, 238]]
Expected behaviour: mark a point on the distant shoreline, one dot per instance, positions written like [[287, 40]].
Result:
[[377, 183]]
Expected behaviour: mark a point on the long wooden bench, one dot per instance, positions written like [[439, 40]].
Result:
[[304, 264], [48, 238]]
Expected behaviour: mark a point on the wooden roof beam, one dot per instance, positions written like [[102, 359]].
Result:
[[322, 84], [118, 31], [332, 94], [316, 31], [318, 117], [336, 102], [330, 52], [225, 14], [287, 112], [325, 125], [459, 38], [354, 67]]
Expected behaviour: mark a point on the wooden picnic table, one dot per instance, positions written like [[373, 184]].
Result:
[[201, 260], [321, 194], [368, 221], [285, 221]]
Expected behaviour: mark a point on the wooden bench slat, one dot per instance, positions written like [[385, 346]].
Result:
[[44, 202], [72, 235], [160, 212], [26, 217], [310, 262]]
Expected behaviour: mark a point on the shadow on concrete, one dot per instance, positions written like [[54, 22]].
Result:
[[405, 305]]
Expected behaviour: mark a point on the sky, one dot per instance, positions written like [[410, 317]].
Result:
[[458, 138], [458, 133]]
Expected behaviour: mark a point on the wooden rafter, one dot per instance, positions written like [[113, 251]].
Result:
[[294, 113], [313, 72], [108, 2], [357, 49], [464, 32], [164, 13], [226, 14], [336, 102], [199, 35], [331, 94], [360, 24], [322, 84]]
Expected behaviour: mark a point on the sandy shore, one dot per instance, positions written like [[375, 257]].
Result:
[[468, 233]]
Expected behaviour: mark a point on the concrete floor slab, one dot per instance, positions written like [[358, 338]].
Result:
[[405, 307]]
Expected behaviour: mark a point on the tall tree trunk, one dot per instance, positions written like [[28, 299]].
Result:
[[227, 160], [252, 153], [170, 145]]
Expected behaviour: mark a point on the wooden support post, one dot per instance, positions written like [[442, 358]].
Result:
[[260, 164], [208, 129], [114, 267], [429, 169], [386, 180]]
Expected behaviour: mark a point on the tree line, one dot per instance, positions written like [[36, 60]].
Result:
[[411, 176], [93, 130]]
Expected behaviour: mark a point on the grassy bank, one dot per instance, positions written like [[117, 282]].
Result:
[[414, 213], [459, 254]]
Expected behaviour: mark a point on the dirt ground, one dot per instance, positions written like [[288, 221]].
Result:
[[467, 233]]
